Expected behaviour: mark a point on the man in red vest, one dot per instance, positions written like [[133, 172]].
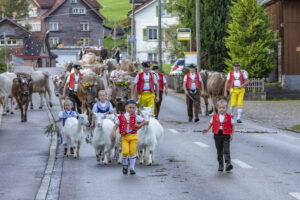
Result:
[[192, 83], [237, 80], [147, 88], [163, 86], [71, 84]]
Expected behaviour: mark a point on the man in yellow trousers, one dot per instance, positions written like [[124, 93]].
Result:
[[237, 80], [146, 85]]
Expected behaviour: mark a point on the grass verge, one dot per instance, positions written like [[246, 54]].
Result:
[[296, 127]]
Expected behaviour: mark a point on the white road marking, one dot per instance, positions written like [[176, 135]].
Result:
[[295, 194], [173, 131], [201, 144], [241, 164]]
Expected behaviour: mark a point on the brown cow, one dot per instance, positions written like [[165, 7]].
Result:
[[87, 92], [215, 88], [59, 83], [130, 67], [22, 90], [95, 68], [204, 76]]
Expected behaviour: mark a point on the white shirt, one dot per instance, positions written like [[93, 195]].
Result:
[[193, 85], [102, 106], [236, 75], [221, 118], [157, 78], [76, 81], [116, 74], [139, 119], [147, 80]]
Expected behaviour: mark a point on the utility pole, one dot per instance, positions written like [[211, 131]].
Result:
[[133, 32], [4, 37], [115, 31], [198, 35], [159, 37]]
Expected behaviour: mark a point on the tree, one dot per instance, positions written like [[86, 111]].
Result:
[[2, 60], [251, 41], [19, 7]]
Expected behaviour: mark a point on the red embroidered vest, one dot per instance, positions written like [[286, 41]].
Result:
[[141, 82], [72, 80], [189, 81], [161, 81], [232, 78], [227, 127], [123, 124]]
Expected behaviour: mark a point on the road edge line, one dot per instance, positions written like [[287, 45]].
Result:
[[45, 183]]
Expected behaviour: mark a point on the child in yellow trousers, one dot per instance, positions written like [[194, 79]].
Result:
[[128, 124]]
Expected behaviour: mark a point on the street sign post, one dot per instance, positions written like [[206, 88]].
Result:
[[185, 34], [190, 58], [131, 38]]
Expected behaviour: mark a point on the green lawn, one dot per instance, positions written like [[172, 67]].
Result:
[[166, 68], [112, 8], [296, 128]]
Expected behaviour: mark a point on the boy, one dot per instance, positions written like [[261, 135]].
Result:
[[223, 129], [128, 124], [102, 106]]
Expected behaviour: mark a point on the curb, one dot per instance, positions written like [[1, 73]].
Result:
[[45, 183], [1, 112]]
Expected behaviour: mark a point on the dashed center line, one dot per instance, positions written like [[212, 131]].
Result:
[[173, 131], [201, 144], [241, 164], [295, 194]]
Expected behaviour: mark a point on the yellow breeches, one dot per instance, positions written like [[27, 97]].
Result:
[[129, 143], [237, 95], [147, 100]]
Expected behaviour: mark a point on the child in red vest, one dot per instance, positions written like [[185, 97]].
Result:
[[223, 129], [128, 124]]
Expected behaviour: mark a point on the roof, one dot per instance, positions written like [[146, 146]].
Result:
[[94, 3], [45, 4], [14, 23], [119, 31], [140, 7], [138, 1], [87, 2]]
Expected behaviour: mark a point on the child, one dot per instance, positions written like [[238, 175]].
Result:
[[128, 124], [102, 106], [63, 116], [223, 129]]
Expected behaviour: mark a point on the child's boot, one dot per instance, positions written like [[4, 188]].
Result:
[[228, 166], [221, 167], [125, 165], [65, 151], [132, 164]]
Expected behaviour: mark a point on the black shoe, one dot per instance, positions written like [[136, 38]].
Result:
[[156, 117], [125, 169], [65, 151], [72, 150], [132, 172], [221, 168], [239, 121], [190, 119], [228, 167], [197, 120]]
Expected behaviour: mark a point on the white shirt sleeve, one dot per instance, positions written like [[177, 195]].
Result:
[[228, 76], [112, 74], [75, 114], [154, 79], [139, 119], [200, 78], [211, 120], [111, 108], [184, 79], [95, 110], [232, 121], [136, 80], [245, 74], [60, 115], [118, 121], [68, 79], [165, 80]]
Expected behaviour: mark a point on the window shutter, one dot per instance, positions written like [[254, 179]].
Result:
[[156, 11], [60, 27], [90, 27], [47, 26], [78, 27], [145, 34], [91, 42]]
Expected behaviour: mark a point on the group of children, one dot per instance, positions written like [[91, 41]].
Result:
[[128, 123]]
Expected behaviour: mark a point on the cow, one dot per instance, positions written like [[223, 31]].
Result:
[[215, 88], [6, 80], [87, 92], [95, 68], [40, 81], [130, 68], [59, 83], [22, 89], [204, 76]]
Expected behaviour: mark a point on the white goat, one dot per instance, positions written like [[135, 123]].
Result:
[[149, 136], [74, 132], [102, 137]]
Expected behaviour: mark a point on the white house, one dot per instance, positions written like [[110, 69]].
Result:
[[146, 20]]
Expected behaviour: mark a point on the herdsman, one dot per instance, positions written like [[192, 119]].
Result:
[[237, 80], [192, 83], [163, 86], [147, 88], [72, 84]]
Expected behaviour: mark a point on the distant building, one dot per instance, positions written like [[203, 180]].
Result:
[[138, 2], [118, 33]]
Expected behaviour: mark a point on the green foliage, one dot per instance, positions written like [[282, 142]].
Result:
[[296, 127], [11, 6], [51, 129], [108, 42], [250, 40], [166, 68], [2, 60]]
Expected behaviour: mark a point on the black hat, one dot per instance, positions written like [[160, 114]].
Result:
[[130, 101], [155, 67], [237, 64], [192, 66], [76, 66], [145, 64]]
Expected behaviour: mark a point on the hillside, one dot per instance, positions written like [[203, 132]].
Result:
[[112, 8]]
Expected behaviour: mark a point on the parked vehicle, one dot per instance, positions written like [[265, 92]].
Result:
[[177, 67]]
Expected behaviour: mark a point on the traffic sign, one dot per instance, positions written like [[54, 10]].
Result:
[[184, 34], [131, 40]]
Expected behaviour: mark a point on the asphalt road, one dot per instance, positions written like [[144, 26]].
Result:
[[266, 166]]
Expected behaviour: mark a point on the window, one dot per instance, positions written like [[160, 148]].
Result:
[[35, 27], [53, 26], [54, 41], [8, 43], [84, 41], [152, 57], [164, 13], [33, 12], [152, 34], [84, 26], [78, 10], [73, 1]]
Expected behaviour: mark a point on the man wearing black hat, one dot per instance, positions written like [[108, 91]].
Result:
[[191, 85], [237, 80], [71, 84], [147, 88], [163, 86]]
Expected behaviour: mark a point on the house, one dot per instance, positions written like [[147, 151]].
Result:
[[118, 33], [138, 2], [285, 19], [106, 31], [146, 20]]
